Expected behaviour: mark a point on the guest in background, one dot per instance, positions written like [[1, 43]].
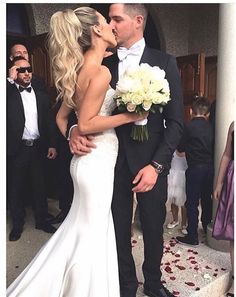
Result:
[[176, 190], [30, 135], [224, 192], [16, 50], [197, 143]]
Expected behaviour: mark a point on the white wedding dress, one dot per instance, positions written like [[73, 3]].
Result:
[[80, 259]]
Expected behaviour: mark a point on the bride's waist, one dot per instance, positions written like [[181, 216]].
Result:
[[108, 136]]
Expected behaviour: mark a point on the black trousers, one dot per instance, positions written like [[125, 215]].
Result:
[[27, 163], [199, 185], [65, 184], [152, 216]]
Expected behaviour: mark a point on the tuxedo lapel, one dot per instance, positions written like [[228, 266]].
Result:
[[148, 57], [16, 97], [39, 105]]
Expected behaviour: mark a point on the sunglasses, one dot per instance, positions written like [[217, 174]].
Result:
[[24, 69]]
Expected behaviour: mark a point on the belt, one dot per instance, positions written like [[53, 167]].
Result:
[[29, 142]]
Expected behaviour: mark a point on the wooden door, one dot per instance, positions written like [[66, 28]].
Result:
[[192, 73], [210, 78]]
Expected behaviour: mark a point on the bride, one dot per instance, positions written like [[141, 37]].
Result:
[[80, 259]]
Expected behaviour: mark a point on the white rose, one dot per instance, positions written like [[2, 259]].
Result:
[[131, 107], [158, 72], [124, 85], [147, 105]]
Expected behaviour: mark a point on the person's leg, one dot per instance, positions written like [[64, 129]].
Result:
[[184, 220], [206, 197], [183, 216], [65, 191], [152, 210], [175, 212], [38, 185], [193, 190], [17, 166], [122, 210]]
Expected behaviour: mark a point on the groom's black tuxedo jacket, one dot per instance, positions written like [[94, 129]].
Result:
[[16, 118], [162, 141]]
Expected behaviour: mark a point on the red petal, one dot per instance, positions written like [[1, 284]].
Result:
[[207, 267], [223, 269], [197, 289], [175, 293], [180, 267], [172, 278], [193, 262], [215, 274], [168, 269], [177, 255], [191, 258], [163, 282], [190, 284]]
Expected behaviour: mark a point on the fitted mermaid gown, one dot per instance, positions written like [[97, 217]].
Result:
[[80, 259]]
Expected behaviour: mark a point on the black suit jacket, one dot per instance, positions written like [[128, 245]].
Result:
[[16, 118], [162, 141]]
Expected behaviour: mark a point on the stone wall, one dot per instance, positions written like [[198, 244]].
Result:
[[183, 28]]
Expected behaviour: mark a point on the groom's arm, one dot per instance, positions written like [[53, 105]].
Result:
[[173, 115], [147, 177]]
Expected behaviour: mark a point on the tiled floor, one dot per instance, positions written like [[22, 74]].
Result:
[[187, 272]]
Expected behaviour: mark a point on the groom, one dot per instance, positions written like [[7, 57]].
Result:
[[141, 167]]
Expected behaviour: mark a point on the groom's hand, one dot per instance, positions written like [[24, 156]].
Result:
[[145, 179], [80, 145]]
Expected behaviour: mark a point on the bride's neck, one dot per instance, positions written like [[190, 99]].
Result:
[[95, 54]]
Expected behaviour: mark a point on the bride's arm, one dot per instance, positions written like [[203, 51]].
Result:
[[62, 118], [89, 106]]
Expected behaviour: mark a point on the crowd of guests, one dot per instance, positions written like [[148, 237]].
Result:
[[32, 136]]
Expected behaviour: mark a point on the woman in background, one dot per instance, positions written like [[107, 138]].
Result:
[[224, 192]]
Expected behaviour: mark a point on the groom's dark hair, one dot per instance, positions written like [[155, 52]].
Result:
[[136, 9]]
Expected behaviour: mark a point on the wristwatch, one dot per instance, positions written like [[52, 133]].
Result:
[[158, 167]]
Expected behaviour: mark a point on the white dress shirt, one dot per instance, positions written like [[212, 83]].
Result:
[[31, 130], [133, 57]]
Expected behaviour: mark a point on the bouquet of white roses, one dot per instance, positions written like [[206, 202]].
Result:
[[142, 88]]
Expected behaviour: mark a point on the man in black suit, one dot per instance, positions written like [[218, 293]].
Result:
[[30, 136], [16, 50], [141, 167]]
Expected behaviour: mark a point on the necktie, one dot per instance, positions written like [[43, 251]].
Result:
[[123, 52], [21, 89]]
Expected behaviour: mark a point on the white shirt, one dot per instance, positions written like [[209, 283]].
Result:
[[31, 130], [132, 59]]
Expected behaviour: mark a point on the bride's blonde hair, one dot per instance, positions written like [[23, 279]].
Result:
[[69, 37]]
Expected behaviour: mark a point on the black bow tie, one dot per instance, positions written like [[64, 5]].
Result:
[[21, 89]]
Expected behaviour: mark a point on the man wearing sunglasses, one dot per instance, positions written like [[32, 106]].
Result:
[[30, 136], [19, 50]]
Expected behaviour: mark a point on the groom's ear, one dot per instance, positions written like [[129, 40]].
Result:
[[97, 30]]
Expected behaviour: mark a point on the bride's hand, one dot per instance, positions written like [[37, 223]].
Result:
[[134, 116]]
